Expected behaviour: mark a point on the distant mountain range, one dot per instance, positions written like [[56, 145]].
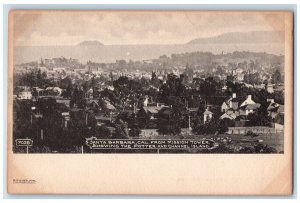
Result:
[[90, 43], [259, 41], [255, 37]]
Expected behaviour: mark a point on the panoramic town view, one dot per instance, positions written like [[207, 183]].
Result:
[[185, 100]]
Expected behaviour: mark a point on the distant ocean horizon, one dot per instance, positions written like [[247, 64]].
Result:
[[111, 53]]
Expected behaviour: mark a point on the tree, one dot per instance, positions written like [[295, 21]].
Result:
[[129, 92], [263, 148], [252, 78], [222, 126], [172, 88], [22, 119], [153, 76], [82, 103], [276, 77], [260, 117], [68, 92], [121, 62], [91, 120], [279, 97], [135, 131], [214, 126], [103, 132], [35, 92], [51, 123], [121, 129], [208, 87], [197, 118], [77, 98], [169, 121], [65, 82], [34, 78], [111, 77], [163, 57]]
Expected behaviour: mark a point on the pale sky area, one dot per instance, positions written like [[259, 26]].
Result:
[[117, 28]]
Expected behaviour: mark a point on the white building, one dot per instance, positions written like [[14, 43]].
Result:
[[230, 103], [146, 101], [270, 88], [249, 108], [56, 90], [26, 94], [207, 115], [248, 101]]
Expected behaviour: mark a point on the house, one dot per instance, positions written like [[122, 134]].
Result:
[[66, 102], [279, 127], [226, 115], [224, 88], [109, 105], [232, 110], [54, 91], [93, 103], [248, 108], [224, 107], [35, 115], [247, 101], [279, 88], [149, 133], [272, 104], [176, 72], [261, 86], [110, 87], [89, 94], [51, 73], [248, 85], [230, 114], [65, 118], [274, 109], [151, 111], [230, 103], [37, 91], [222, 77], [270, 100], [104, 119], [240, 77], [270, 88], [105, 105], [25, 94], [146, 101], [207, 115], [193, 110], [274, 112]]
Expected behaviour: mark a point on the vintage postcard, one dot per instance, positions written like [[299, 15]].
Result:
[[150, 102]]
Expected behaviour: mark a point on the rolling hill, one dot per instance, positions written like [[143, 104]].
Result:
[[255, 37]]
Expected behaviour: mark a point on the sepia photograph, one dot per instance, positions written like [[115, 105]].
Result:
[[148, 82], [150, 102]]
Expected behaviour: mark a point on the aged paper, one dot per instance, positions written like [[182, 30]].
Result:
[[150, 102]]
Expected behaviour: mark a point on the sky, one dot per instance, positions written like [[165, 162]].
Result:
[[119, 28]]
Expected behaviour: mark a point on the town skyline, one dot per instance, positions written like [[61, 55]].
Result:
[[195, 95]]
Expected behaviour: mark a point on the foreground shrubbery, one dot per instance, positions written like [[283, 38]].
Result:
[[254, 148]]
